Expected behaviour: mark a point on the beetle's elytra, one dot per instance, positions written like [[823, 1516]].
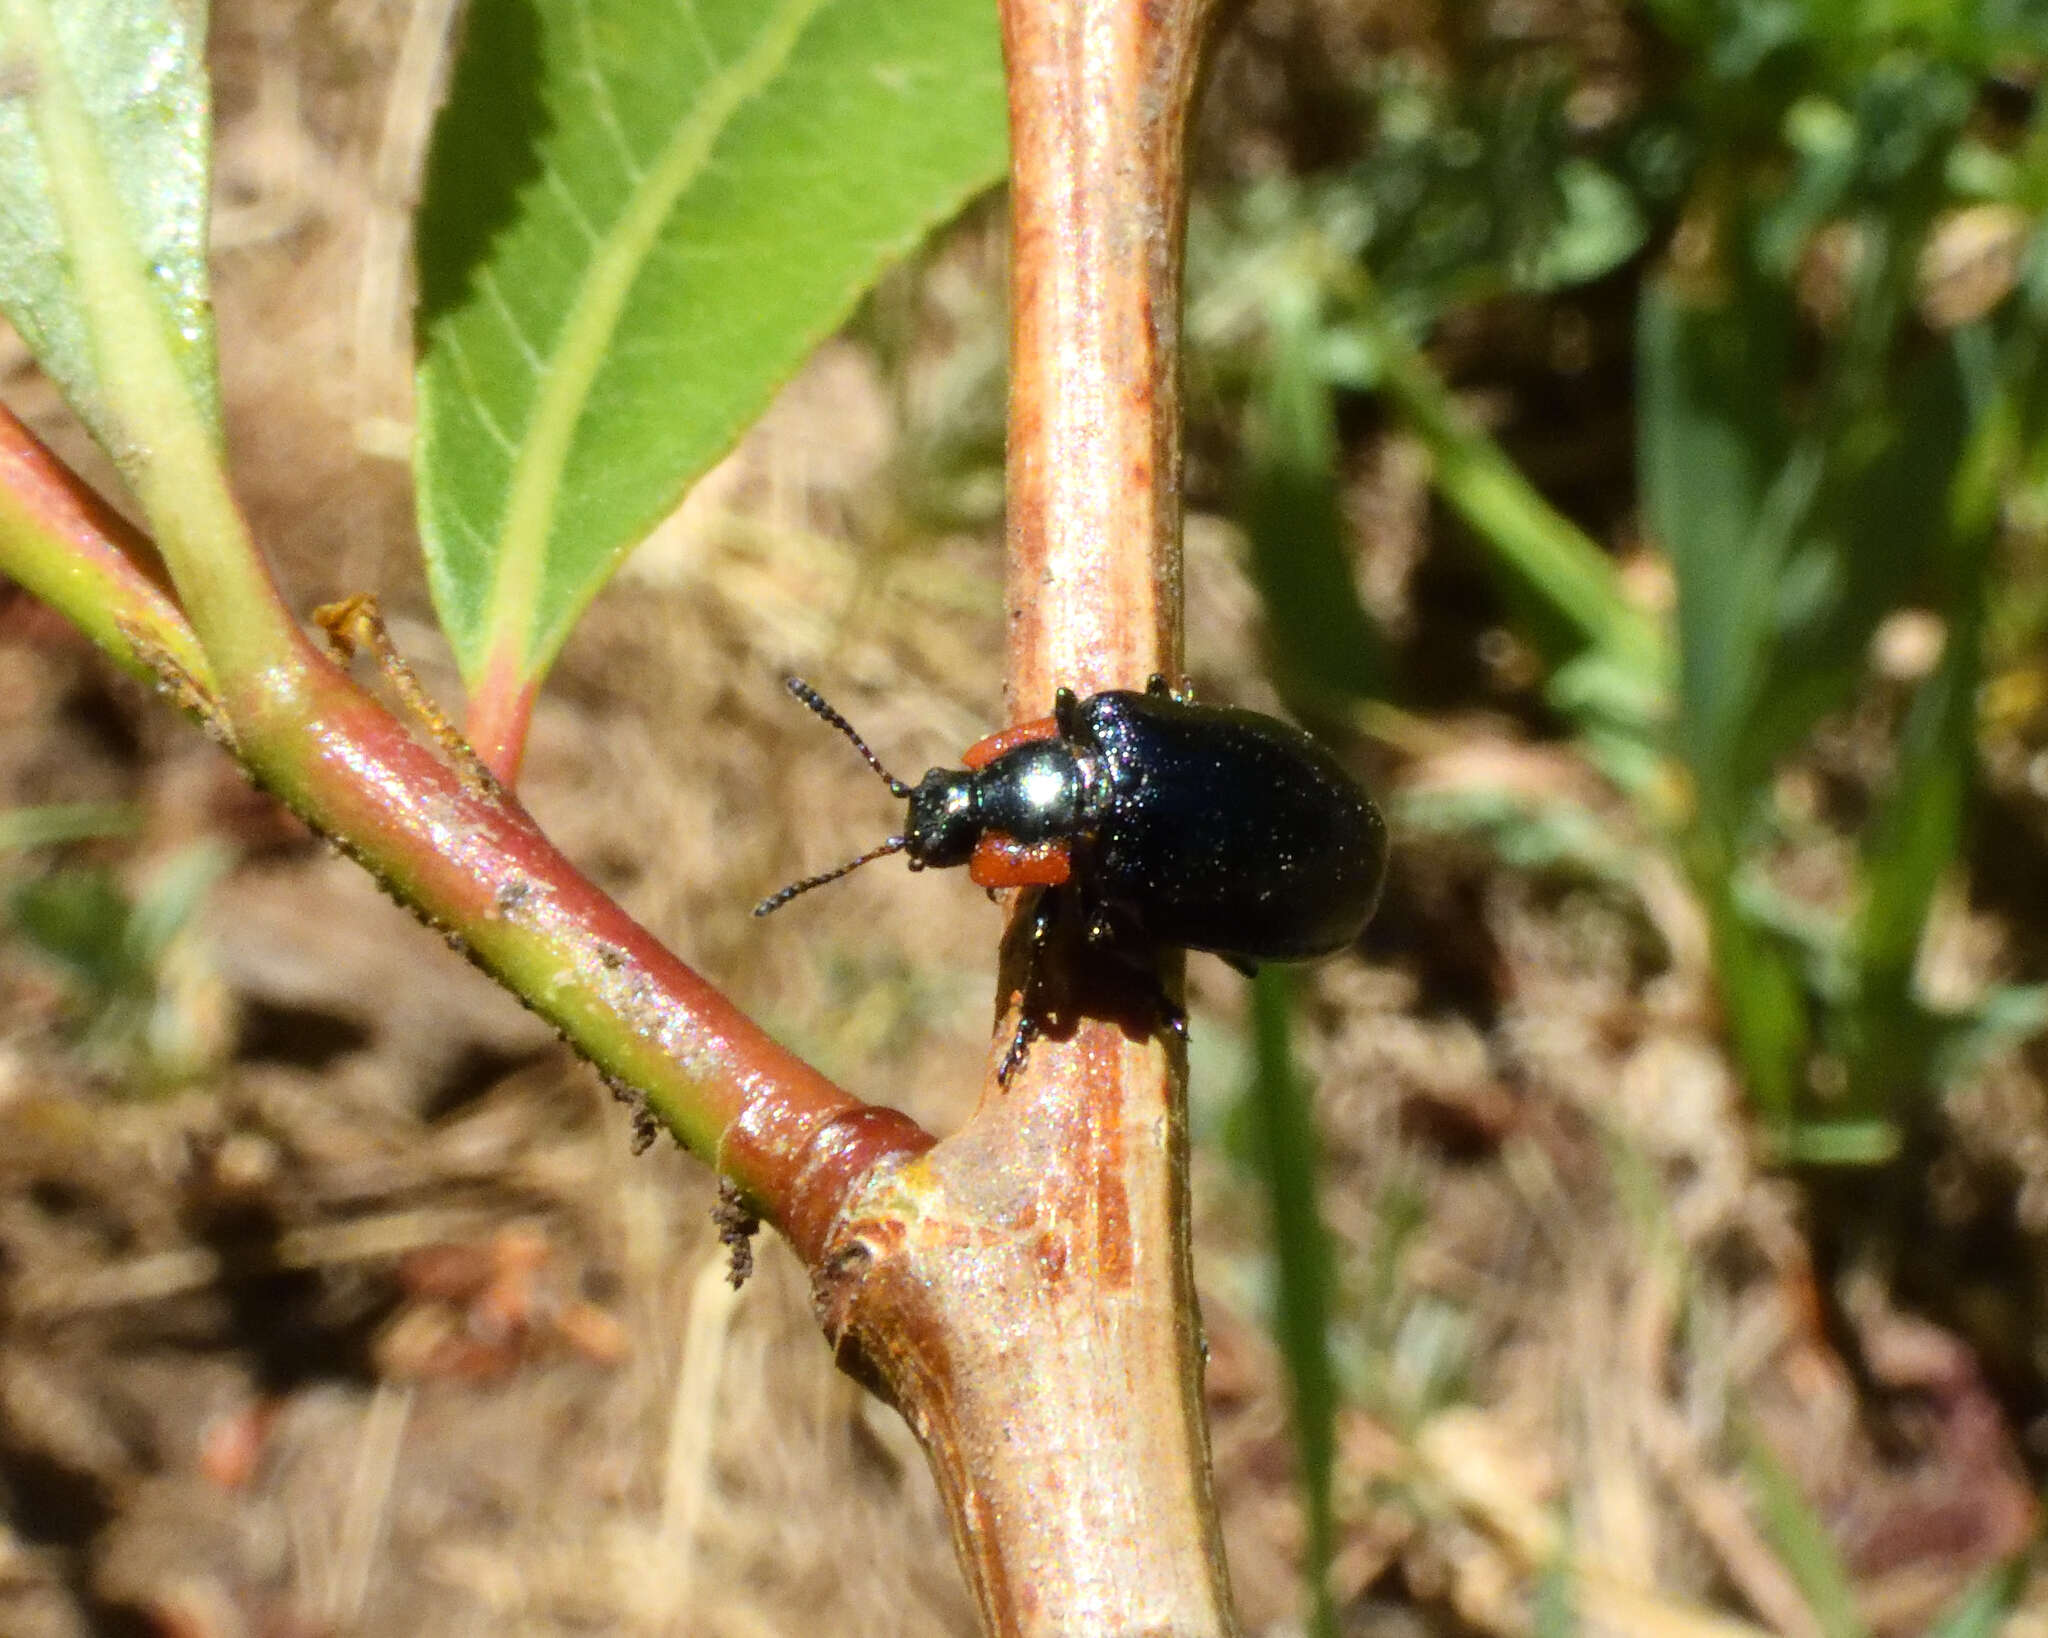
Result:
[[1203, 826]]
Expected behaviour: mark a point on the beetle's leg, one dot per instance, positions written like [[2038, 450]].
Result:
[[1174, 1016], [1038, 932], [1044, 913], [1104, 931], [1028, 1030], [1066, 713], [1159, 688]]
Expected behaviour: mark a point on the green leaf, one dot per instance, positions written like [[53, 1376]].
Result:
[[1288, 1157], [1917, 832], [1619, 707], [103, 136], [86, 921], [1599, 229], [1526, 833], [174, 895], [1471, 186], [2010, 1014], [136, 1003], [103, 196], [1835, 1143], [640, 215]]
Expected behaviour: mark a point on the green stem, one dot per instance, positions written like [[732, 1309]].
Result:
[[60, 541], [473, 865]]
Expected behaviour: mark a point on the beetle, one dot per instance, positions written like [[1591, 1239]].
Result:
[[1167, 822]]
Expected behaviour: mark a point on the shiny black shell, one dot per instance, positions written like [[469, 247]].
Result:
[[1224, 830]]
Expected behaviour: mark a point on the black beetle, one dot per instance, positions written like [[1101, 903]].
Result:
[[1204, 826]]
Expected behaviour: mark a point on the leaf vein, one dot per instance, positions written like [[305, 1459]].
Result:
[[457, 352], [553, 180], [587, 332], [494, 293], [601, 100], [694, 20]]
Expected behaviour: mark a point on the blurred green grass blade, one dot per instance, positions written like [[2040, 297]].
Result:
[[1801, 1541], [1562, 569], [639, 217], [78, 919], [23, 829], [1760, 989], [1836, 1143], [1981, 1610], [106, 124], [1711, 447], [1287, 1154], [1918, 830], [1881, 520], [1533, 833], [2007, 1016], [173, 896], [1323, 640], [1556, 1606]]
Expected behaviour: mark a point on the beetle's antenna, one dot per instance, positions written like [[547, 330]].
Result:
[[775, 901], [816, 701]]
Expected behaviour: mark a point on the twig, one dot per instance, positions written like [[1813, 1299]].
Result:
[[1023, 1292], [470, 863]]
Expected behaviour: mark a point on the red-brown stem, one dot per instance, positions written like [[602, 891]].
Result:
[[473, 864], [500, 714], [66, 545], [1099, 93], [1024, 1290]]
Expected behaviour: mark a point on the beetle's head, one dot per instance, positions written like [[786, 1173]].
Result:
[[943, 828]]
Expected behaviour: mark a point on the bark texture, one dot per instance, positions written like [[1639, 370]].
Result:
[[1023, 1290]]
